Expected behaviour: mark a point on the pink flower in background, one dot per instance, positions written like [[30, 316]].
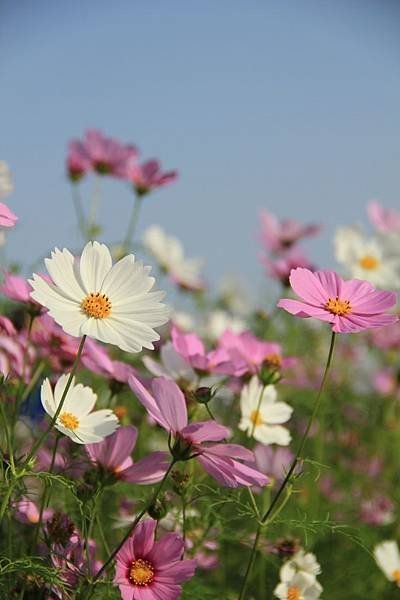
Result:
[[71, 561], [384, 219], [12, 351], [385, 382], [53, 344], [274, 462], [7, 217], [280, 268], [148, 176], [190, 347], [386, 338], [348, 305], [377, 511], [27, 512], [78, 161], [167, 406], [18, 288], [150, 570], [278, 236], [107, 155], [7, 326], [114, 455], [97, 359]]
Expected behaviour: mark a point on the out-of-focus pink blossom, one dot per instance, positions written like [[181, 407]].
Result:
[[385, 382], [53, 344], [97, 359], [377, 511], [280, 268], [7, 217], [78, 161], [190, 347], [386, 338], [384, 219], [167, 405], [148, 176], [348, 305], [278, 236], [27, 512], [71, 561], [114, 455], [274, 462], [12, 352], [108, 156], [18, 288], [7, 326]]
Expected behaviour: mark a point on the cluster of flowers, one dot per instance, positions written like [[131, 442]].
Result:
[[95, 366]]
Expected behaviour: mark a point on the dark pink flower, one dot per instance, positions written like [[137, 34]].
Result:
[[108, 156], [167, 406], [150, 570], [7, 217], [148, 176], [384, 219], [349, 305], [113, 454], [78, 161], [278, 236], [190, 347]]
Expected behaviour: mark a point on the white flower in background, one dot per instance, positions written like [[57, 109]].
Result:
[[387, 556], [183, 320], [168, 252], [301, 562], [371, 259], [219, 321], [76, 419], [300, 586], [233, 295], [6, 186], [172, 365], [264, 417], [92, 297]]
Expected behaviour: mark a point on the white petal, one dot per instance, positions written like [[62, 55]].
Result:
[[62, 269], [94, 265]]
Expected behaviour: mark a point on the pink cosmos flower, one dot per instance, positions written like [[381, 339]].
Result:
[[385, 382], [27, 512], [167, 406], [280, 268], [78, 161], [97, 359], [17, 288], [377, 511], [349, 305], [53, 344], [274, 462], [278, 236], [384, 219], [7, 326], [150, 570], [7, 217], [148, 176], [71, 561], [113, 454], [108, 156], [190, 347]]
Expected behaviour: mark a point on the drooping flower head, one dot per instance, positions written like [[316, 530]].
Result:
[[150, 570], [108, 156], [148, 176], [89, 296], [167, 406], [76, 419], [348, 305], [279, 236]]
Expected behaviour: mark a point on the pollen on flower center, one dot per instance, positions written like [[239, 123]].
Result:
[[338, 307], [255, 417], [273, 360], [69, 420], [96, 305], [396, 576], [293, 593], [368, 262], [141, 572]]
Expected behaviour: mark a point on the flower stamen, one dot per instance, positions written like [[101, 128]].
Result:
[[141, 572], [396, 576], [96, 305], [337, 306], [69, 420], [368, 262], [255, 417], [293, 593]]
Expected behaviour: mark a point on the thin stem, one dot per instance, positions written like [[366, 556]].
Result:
[[101, 532], [53, 421], [33, 381], [292, 468], [94, 205], [253, 502], [132, 223], [209, 412], [255, 419], [8, 438], [76, 198]]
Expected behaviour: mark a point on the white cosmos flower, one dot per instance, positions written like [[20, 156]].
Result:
[[90, 296], [299, 587], [371, 259], [301, 562], [6, 186], [76, 419], [168, 251], [387, 556], [264, 417]]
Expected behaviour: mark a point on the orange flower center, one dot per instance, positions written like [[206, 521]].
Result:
[[255, 417], [141, 572], [273, 360], [338, 307], [120, 411], [396, 576], [96, 305], [293, 593], [368, 262], [69, 420]]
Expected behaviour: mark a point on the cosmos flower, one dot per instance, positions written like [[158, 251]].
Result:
[[279, 236], [349, 305], [92, 297], [300, 586], [78, 161], [7, 217], [107, 156], [114, 455], [387, 556], [148, 176], [263, 420], [274, 462], [301, 562], [150, 570], [167, 406], [27, 512], [384, 219], [279, 268], [76, 419]]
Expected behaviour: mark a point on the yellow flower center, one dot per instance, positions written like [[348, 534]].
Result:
[[255, 417], [368, 262], [293, 593], [273, 360], [141, 572], [338, 307], [96, 305], [69, 420], [396, 576], [120, 411]]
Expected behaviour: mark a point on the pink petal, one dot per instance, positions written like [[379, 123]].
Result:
[[176, 573], [167, 550], [171, 402], [308, 286], [148, 401], [143, 537], [205, 431], [148, 470]]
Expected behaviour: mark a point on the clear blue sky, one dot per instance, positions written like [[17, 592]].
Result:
[[288, 105]]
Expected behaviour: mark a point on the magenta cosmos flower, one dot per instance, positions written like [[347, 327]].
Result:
[[278, 236], [7, 217], [148, 176], [113, 455], [167, 405], [349, 305], [150, 570]]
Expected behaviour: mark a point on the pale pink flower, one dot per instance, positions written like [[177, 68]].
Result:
[[384, 219], [148, 176], [7, 326], [385, 382], [278, 236], [280, 268], [53, 344], [114, 455], [18, 288], [107, 155], [27, 512], [190, 347], [348, 305], [377, 511], [7, 217], [274, 462], [167, 406], [150, 570]]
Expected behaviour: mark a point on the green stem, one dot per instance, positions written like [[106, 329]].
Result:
[[127, 243], [8, 438], [292, 468], [94, 205], [76, 198], [101, 532], [33, 381], [53, 421]]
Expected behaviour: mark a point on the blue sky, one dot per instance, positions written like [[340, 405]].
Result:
[[288, 105]]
